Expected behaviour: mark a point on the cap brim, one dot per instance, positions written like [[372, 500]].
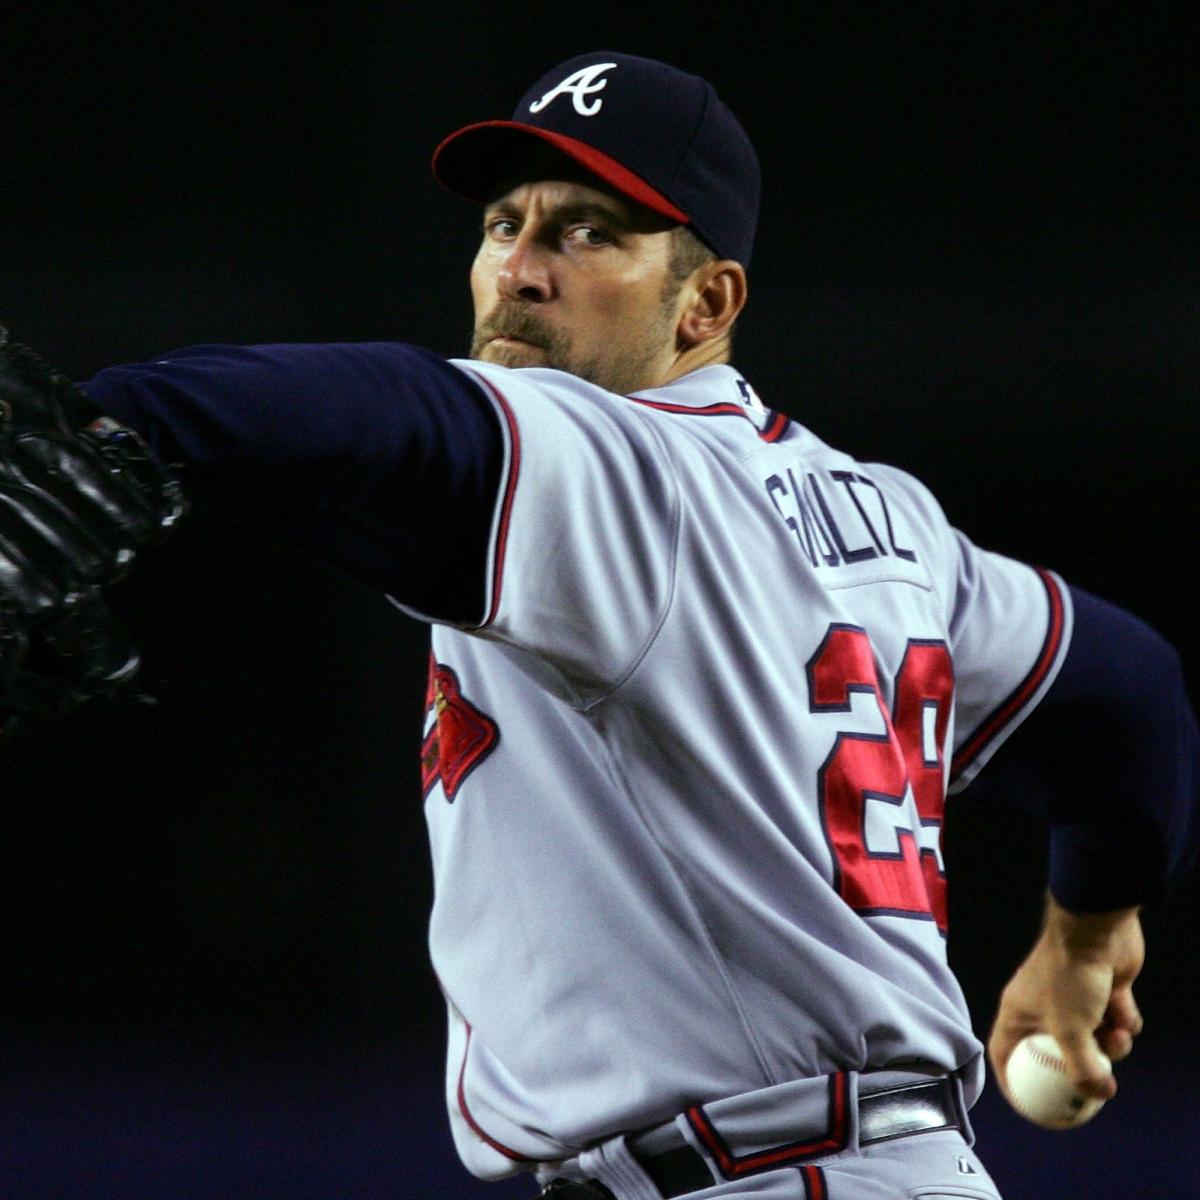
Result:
[[472, 160]]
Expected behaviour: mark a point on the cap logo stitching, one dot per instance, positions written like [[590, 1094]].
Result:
[[580, 85]]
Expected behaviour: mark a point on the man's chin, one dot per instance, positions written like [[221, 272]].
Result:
[[512, 352]]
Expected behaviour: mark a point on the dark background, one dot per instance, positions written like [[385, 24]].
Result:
[[977, 260]]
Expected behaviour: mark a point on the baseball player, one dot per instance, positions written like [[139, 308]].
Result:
[[698, 688]]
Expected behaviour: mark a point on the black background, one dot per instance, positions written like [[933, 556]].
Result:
[[977, 260]]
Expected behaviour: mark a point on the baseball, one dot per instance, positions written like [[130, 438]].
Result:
[[1040, 1089]]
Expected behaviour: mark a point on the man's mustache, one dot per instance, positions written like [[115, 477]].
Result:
[[517, 321]]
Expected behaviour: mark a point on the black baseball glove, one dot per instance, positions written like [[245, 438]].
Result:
[[80, 495]]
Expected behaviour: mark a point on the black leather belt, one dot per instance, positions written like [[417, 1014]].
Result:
[[891, 1113]]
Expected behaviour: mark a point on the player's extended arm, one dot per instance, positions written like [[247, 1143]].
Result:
[[379, 458], [1111, 758]]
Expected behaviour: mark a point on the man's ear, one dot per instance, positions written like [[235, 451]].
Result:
[[718, 294]]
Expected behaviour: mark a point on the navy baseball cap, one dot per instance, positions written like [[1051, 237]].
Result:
[[654, 133]]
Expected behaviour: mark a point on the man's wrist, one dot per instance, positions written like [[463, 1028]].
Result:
[[1082, 931]]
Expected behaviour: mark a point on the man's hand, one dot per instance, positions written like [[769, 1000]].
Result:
[[1077, 985], [80, 496]]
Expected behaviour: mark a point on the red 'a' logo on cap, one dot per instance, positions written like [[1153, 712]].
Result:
[[459, 739]]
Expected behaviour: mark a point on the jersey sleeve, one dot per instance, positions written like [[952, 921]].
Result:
[[1083, 707], [585, 532], [1009, 627]]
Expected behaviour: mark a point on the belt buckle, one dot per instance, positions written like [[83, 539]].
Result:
[[902, 1111]]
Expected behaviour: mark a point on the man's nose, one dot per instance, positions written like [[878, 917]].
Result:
[[525, 272]]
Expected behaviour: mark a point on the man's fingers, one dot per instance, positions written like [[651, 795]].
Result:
[[1116, 1043], [1088, 1067], [1006, 1033], [1122, 1023], [1123, 1012], [999, 1049]]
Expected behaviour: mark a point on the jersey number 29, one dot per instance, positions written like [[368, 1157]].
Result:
[[886, 856]]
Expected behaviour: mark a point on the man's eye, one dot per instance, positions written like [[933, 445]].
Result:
[[501, 228], [590, 235]]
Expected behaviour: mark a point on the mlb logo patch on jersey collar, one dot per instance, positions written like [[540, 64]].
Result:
[[692, 395]]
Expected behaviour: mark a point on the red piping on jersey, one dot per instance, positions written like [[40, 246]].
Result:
[[1019, 697], [814, 1183], [776, 427], [772, 433], [510, 489], [724, 409], [476, 1128], [830, 1142]]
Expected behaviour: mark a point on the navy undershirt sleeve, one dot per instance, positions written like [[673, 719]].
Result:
[[380, 458], [1111, 759]]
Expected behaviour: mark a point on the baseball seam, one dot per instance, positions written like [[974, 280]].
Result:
[[1046, 1059]]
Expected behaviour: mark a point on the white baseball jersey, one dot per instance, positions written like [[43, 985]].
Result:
[[685, 784]]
